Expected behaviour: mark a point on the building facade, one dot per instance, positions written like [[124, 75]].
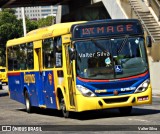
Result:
[[38, 12]]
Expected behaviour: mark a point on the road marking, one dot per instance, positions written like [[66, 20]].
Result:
[[138, 120]]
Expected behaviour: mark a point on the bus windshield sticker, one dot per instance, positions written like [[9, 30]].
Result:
[[137, 41], [118, 69], [96, 54], [108, 61]]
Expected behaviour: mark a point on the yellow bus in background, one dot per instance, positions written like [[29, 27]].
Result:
[[3, 75], [81, 66]]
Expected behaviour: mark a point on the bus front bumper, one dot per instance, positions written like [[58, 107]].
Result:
[[97, 103]]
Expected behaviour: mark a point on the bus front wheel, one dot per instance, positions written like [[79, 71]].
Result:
[[125, 110], [63, 108], [28, 102]]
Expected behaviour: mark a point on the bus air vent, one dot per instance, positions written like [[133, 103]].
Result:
[[115, 100]]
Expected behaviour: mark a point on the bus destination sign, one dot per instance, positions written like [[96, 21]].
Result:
[[106, 29]]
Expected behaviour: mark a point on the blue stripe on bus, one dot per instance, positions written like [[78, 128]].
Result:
[[39, 86]]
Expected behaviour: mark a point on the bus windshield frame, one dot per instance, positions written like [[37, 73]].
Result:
[[111, 58]]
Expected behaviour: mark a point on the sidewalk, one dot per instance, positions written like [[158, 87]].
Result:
[[155, 77], [155, 92]]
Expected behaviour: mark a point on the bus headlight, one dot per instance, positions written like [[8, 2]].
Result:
[[143, 87], [85, 91]]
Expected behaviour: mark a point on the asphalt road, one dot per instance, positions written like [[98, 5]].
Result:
[[13, 113]]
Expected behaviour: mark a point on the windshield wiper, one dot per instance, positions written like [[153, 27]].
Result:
[[122, 44]]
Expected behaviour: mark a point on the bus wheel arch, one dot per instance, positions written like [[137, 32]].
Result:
[[27, 101], [62, 103]]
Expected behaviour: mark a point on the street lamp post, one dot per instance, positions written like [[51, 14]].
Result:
[[24, 22]]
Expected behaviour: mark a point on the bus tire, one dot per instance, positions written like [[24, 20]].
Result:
[[63, 108], [28, 102], [125, 110]]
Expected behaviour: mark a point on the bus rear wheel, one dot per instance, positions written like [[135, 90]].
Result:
[[28, 102], [63, 108], [125, 110]]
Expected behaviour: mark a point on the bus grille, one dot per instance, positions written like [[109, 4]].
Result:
[[115, 100]]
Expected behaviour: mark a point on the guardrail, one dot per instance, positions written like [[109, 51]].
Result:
[[155, 4], [141, 20]]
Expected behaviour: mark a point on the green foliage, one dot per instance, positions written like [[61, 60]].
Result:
[[30, 24], [9, 10], [48, 21], [11, 27], [6, 17]]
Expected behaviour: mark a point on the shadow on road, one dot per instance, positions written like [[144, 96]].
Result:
[[3, 94], [91, 115], [48, 112]]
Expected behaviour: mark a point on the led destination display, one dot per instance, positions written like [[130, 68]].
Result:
[[106, 29]]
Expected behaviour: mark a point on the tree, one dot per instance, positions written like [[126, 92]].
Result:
[[10, 28], [31, 25], [9, 10], [45, 21]]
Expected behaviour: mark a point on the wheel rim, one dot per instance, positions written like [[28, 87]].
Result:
[[27, 104], [63, 108]]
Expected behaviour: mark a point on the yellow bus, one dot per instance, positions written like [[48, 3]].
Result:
[[81, 66], [3, 76]]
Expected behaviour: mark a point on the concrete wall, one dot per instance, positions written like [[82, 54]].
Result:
[[155, 51], [98, 9], [114, 9]]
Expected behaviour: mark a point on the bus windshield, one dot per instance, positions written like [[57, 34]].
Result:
[[111, 58]]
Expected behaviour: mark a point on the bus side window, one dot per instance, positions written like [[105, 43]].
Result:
[[58, 51], [30, 63], [10, 58], [23, 57], [48, 53], [16, 57]]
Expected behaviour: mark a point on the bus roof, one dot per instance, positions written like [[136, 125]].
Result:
[[46, 32]]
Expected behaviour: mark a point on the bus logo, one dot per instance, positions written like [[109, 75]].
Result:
[[50, 79], [29, 78], [115, 92]]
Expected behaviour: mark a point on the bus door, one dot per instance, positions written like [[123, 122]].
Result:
[[71, 81], [39, 77], [63, 65], [48, 75]]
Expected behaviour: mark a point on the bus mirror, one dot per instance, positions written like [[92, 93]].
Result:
[[71, 53], [148, 41]]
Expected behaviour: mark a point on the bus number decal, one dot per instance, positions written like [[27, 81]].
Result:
[[29, 78]]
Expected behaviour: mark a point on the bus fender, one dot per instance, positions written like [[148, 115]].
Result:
[[60, 92], [26, 88]]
